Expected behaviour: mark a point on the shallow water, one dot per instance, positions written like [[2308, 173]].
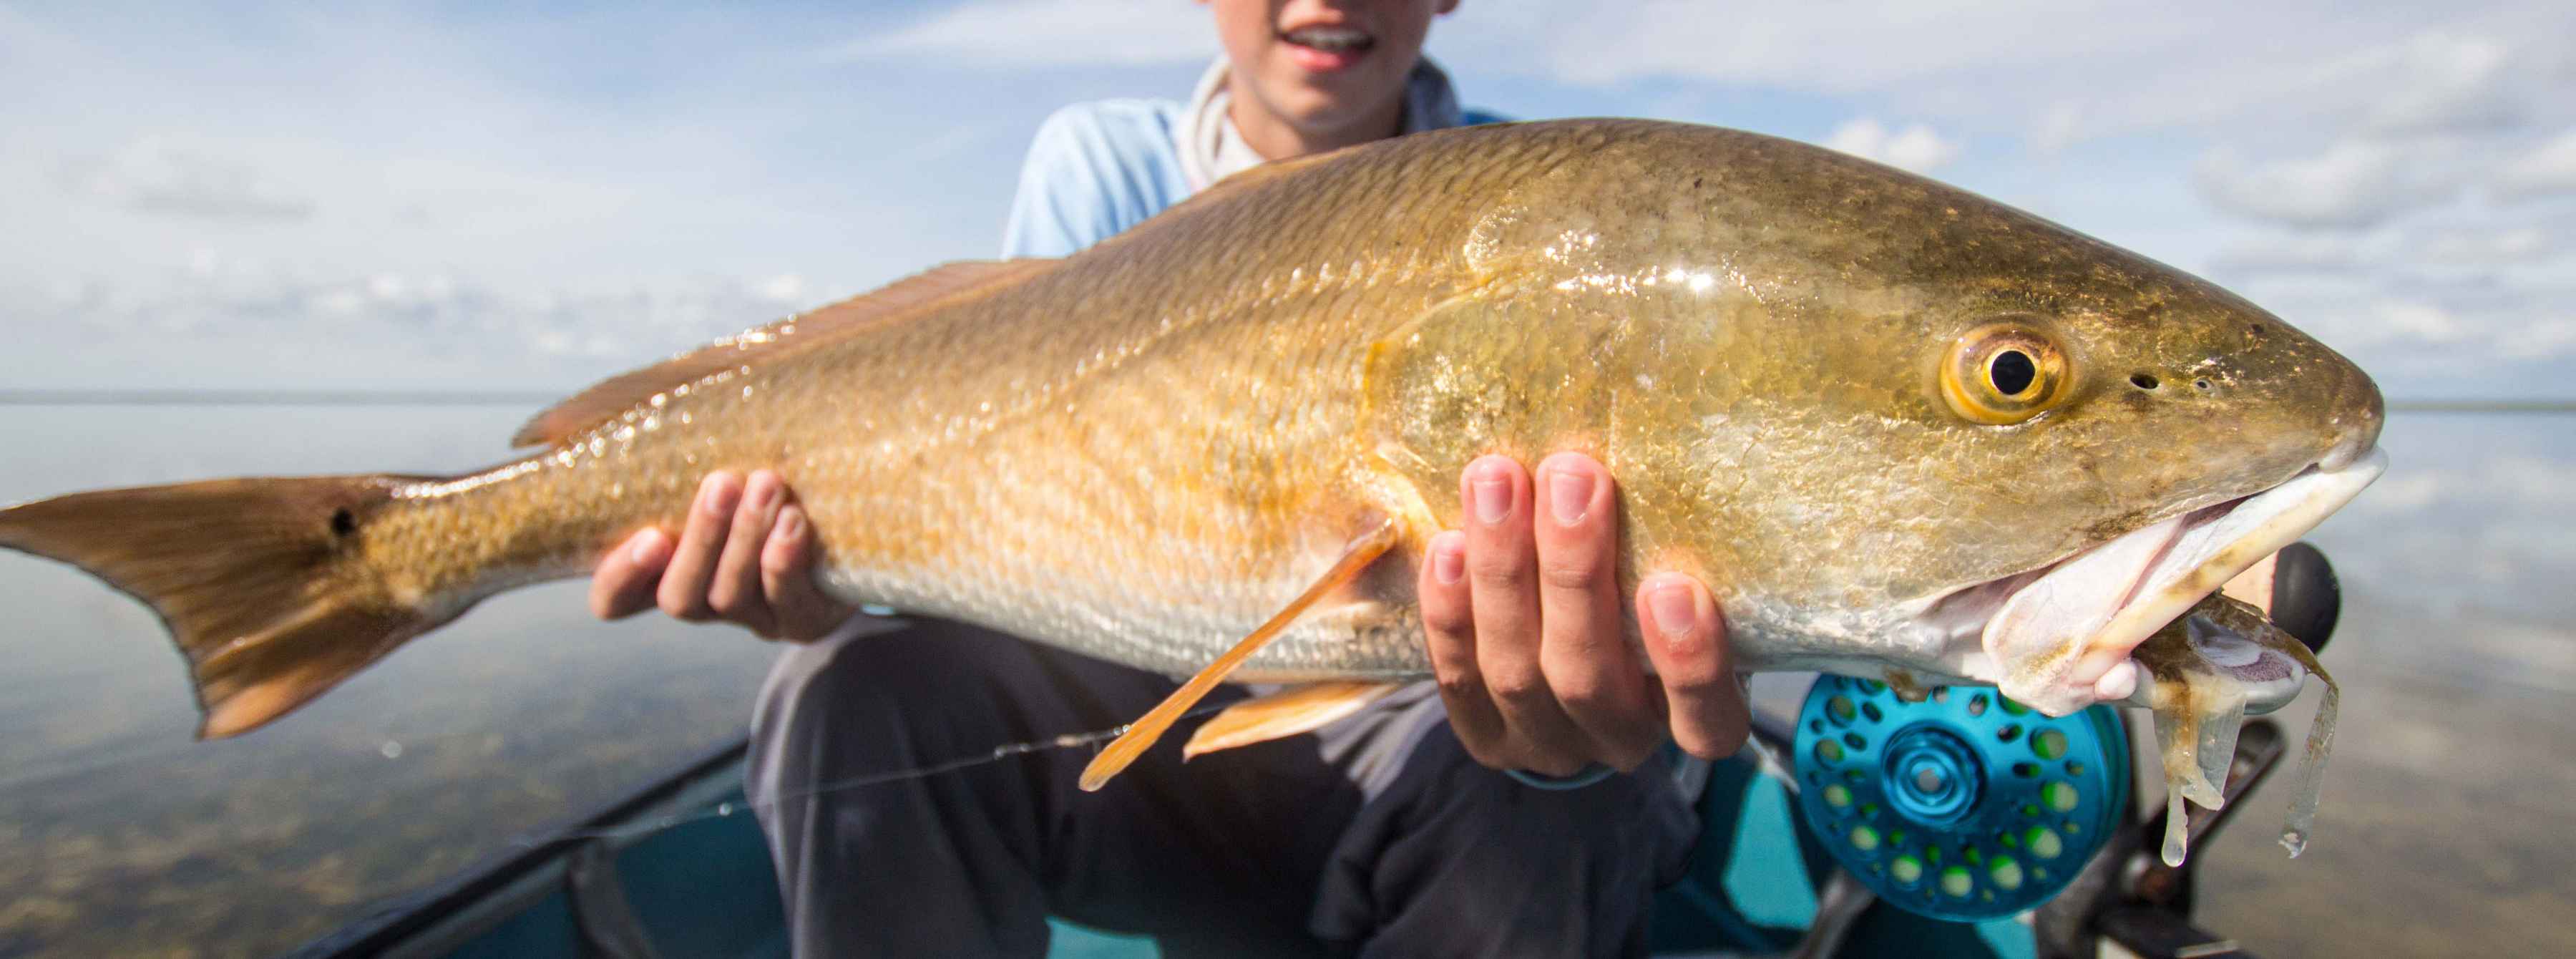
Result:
[[118, 835], [2444, 828]]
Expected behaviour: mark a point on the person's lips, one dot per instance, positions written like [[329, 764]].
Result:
[[1324, 49]]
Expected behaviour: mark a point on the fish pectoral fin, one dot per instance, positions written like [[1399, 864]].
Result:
[[895, 301], [1288, 712], [1459, 380], [1142, 734]]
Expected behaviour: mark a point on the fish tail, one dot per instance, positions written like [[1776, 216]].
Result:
[[266, 585]]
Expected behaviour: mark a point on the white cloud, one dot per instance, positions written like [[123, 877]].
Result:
[[2424, 322], [2450, 83], [2548, 169], [2288, 253], [512, 186], [1022, 34], [2541, 338], [1914, 148], [2354, 183], [2488, 247], [2058, 128], [1834, 48], [2073, 71], [218, 327], [783, 288], [152, 175]]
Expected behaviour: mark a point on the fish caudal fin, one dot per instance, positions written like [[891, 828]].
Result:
[[263, 583]]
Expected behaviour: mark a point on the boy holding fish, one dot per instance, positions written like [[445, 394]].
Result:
[[2023, 458], [1389, 832]]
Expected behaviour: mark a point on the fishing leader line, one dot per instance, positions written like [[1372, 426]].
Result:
[[723, 810]]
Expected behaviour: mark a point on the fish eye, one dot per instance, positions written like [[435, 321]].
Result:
[[2012, 372], [2004, 373]]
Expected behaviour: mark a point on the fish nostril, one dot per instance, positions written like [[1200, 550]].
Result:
[[2144, 381]]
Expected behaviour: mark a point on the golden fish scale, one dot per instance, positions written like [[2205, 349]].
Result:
[[1137, 454], [1146, 450]]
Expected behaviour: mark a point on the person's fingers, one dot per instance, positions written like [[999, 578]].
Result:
[[623, 584], [1502, 588], [1583, 646], [735, 594], [1449, 626], [787, 577], [683, 592], [1685, 636]]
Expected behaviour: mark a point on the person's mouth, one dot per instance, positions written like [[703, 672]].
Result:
[[1326, 48]]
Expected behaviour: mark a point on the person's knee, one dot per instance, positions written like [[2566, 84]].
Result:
[[1519, 832], [1626, 815], [876, 673], [861, 701], [1548, 872]]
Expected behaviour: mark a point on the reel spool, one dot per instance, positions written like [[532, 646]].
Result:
[[1965, 806]]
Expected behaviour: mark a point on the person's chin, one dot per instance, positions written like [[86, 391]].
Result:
[[1331, 100]]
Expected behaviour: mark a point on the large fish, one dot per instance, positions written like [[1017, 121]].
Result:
[[1899, 430]]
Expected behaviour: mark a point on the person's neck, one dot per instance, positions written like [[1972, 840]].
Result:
[[1275, 138]]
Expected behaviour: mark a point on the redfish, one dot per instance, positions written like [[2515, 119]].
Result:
[[1899, 430]]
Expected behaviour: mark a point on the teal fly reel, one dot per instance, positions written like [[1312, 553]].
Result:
[[1964, 806]]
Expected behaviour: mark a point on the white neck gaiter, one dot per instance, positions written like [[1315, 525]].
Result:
[[1211, 148]]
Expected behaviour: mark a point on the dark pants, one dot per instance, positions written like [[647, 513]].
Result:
[[1378, 836]]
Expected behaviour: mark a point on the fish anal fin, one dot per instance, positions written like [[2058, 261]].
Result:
[[906, 297], [1289, 712], [1380, 536]]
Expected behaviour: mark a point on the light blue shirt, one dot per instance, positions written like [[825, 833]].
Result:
[[1098, 168]]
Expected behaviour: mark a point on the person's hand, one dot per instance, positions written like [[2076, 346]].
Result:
[[746, 556], [1527, 638]]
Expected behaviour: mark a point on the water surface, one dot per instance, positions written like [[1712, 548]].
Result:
[[121, 836]]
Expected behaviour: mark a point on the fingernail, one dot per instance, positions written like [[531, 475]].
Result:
[[718, 495], [646, 551], [1448, 561], [791, 522], [761, 491], [1570, 494], [1676, 610], [1493, 492], [2118, 683]]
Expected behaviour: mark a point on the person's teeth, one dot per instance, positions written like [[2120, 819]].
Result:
[[1329, 39]]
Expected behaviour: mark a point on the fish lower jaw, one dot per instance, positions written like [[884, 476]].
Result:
[[2061, 638]]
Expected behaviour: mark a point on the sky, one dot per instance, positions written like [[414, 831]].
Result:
[[528, 197]]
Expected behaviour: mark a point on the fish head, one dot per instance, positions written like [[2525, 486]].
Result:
[[2130, 450], [1915, 426]]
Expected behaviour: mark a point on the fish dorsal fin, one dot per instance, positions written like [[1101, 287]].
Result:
[[1288, 712], [902, 298], [1141, 734]]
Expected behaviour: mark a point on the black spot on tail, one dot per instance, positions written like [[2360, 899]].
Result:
[[267, 614]]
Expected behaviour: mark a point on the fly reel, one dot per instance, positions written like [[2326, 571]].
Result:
[[1964, 806]]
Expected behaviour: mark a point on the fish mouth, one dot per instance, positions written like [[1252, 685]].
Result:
[[2059, 637]]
